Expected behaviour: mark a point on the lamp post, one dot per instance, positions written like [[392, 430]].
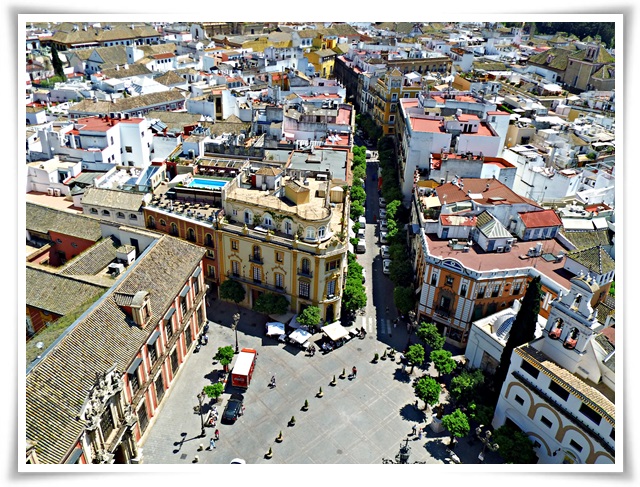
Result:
[[236, 320], [486, 442], [201, 397], [403, 454]]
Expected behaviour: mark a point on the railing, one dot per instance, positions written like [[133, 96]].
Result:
[[305, 272], [253, 282], [256, 258], [445, 313]]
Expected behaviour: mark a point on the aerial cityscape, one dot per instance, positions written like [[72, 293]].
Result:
[[319, 243]]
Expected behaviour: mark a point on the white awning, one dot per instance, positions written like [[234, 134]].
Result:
[[335, 331], [275, 328], [300, 336]]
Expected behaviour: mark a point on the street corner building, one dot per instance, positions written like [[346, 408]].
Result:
[[93, 392]]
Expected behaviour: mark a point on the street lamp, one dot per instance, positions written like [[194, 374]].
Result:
[[403, 454], [201, 397], [236, 320], [486, 442]]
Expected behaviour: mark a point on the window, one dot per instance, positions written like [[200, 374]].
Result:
[[279, 281], [93, 211], [106, 213], [188, 336], [174, 361], [516, 288], [321, 232], [257, 274], [519, 400], [496, 290], [143, 418], [481, 291], [119, 214], [434, 278], [306, 267], [279, 256], [174, 229], [256, 253], [311, 233], [304, 289], [106, 422], [211, 271], [267, 221], [332, 265], [546, 421], [575, 445], [235, 268], [191, 235], [159, 383], [248, 217], [559, 391], [134, 381], [153, 352], [234, 245], [163, 223], [590, 413], [208, 240], [168, 326], [133, 217], [529, 369], [449, 280], [463, 289], [128, 149], [331, 288]]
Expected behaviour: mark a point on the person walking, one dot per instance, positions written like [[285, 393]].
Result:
[[354, 371], [212, 443], [217, 435], [420, 434], [414, 430]]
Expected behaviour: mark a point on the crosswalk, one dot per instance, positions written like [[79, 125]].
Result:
[[369, 324]]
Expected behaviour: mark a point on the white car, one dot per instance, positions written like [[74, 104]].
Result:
[[361, 232], [364, 275], [386, 264], [384, 252], [382, 202], [382, 214], [383, 225], [362, 221], [383, 237]]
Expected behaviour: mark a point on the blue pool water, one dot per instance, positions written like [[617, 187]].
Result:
[[206, 183]]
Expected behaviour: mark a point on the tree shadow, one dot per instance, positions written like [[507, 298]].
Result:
[[409, 412], [438, 450], [401, 376]]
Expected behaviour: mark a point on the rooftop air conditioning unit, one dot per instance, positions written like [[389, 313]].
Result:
[[500, 249], [56, 192], [507, 248], [50, 191]]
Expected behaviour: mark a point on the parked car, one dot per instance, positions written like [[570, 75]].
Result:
[[386, 264], [383, 237], [382, 214], [384, 252], [382, 202], [383, 225], [361, 247], [233, 409], [364, 275], [360, 232], [362, 221]]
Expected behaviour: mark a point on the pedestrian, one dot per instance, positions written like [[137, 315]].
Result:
[[217, 434], [242, 411], [387, 310], [404, 367], [212, 443], [354, 371], [414, 430], [273, 380], [420, 434], [395, 322]]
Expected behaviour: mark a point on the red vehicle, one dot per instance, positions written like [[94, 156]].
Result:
[[243, 368]]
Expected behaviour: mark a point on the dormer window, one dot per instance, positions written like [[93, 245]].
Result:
[[140, 308], [556, 329]]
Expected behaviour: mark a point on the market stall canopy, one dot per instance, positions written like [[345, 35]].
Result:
[[275, 328], [300, 336], [335, 331]]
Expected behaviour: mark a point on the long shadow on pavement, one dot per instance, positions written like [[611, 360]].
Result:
[[411, 413]]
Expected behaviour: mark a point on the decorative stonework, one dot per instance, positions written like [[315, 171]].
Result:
[[105, 387]]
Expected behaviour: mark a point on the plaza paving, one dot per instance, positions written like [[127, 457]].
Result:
[[358, 421]]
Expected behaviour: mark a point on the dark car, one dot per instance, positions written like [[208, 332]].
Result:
[[233, 409]]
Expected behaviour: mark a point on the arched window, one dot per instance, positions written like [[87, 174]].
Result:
[[163, 223], [151, 222], [174, 229], [322, 232], [267, 220], [556, 329], [93, 211], [208, 240], [119, 214], [572, 339], [287, 227], [106, 213], [191, 235], [133, 216], [306, 267], [248, 217]]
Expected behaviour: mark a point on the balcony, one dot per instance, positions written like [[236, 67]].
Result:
[[305, 272], [256, 259], [443, 312], [260, 283]]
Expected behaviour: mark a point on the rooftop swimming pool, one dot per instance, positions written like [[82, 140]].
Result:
[[206, 183]]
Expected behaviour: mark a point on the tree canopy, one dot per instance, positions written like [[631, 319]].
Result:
[[515, 446], [457, 424], [415, 355], [404, 298], [428, 332], [224, 355], [232, 291], [464, 385], [428, 390], [310, 316], [271, 303], [442, 361]]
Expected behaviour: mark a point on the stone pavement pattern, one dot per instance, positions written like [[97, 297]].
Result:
[[357, 421]]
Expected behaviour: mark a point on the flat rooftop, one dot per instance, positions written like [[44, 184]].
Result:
[[482, 261]]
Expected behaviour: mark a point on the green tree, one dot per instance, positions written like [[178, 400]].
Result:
[[310, 317], [480, 413], [457, 423], [401, 272], [232, 291], [428, 333], [392, 209], [214, 391], [464, 385], [403, 299], [58, 69], [271, 304], [515, 446], [224, 356], [358, 194], [415, 355], [522, 330], [428, 390], [356, 211], [359, 172], [442, 361], [354, 296]]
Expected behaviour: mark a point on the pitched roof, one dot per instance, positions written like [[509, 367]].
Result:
[[170, 78], [42, 219], [537, 219], [93, 260], [490, 226], [483, 190], [587, 239], [127, 104], [56, 293], [112, 55], [595, 259], [556, 58], [114, 199], [130, 70], [58, 385]]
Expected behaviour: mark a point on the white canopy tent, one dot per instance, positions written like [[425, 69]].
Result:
[[275, 328], [300, 336], [335, 331]]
